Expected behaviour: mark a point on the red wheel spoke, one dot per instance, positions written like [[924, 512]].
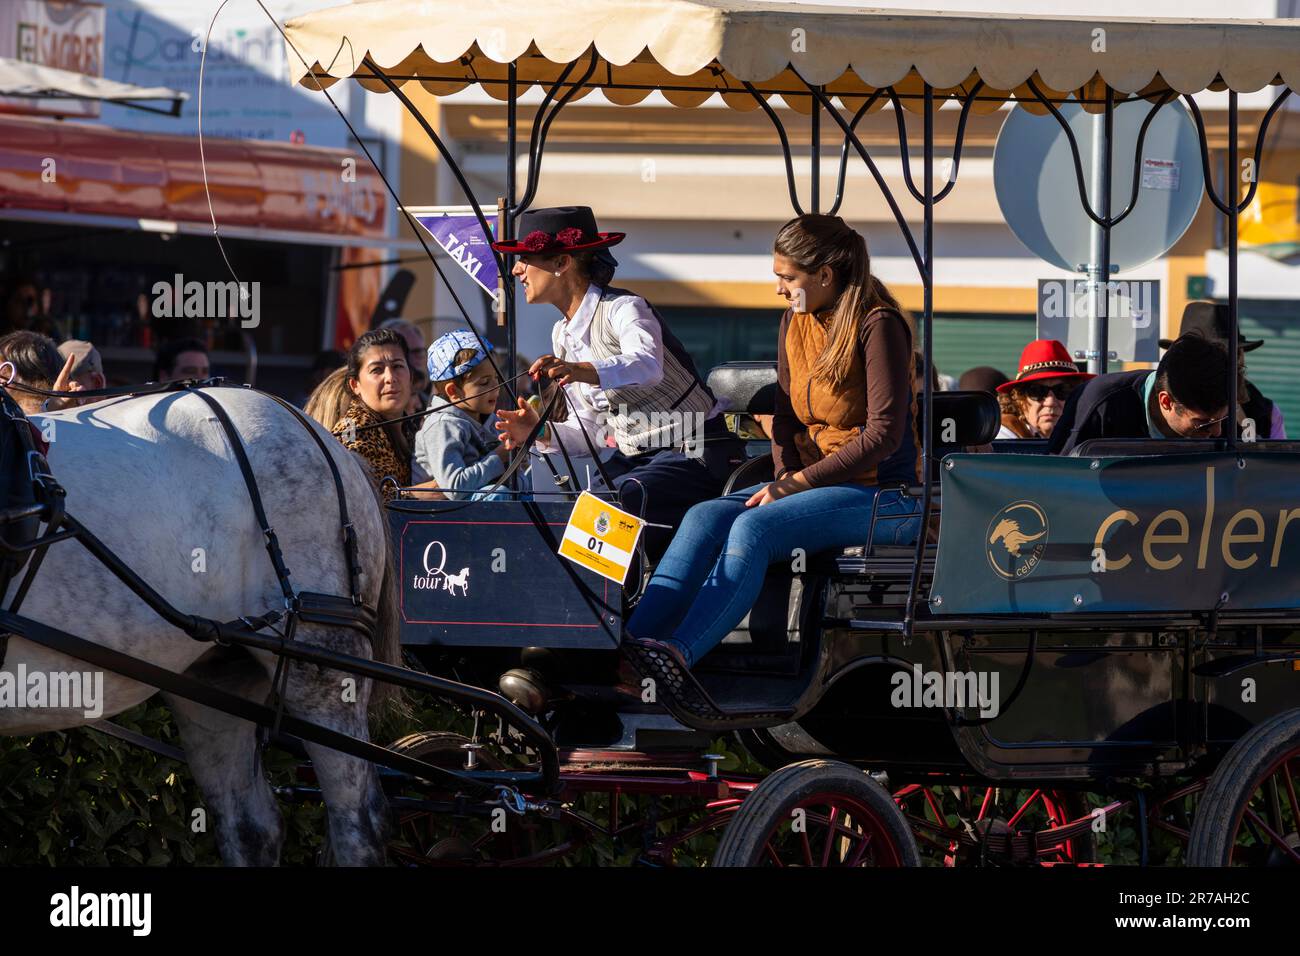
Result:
[[864, 844], [771, 852], [988, 798], [1289, 780], [807, 846], [830, 836], [1021, 812], [1277, 839], [939, 815]]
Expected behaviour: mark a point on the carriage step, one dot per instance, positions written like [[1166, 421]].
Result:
[[682, 693], [877, 624]]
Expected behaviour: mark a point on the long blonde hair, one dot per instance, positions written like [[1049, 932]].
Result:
[[329, 400], [812, 241]]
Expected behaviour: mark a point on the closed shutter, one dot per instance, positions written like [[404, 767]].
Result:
[[1274, 367], [963, 342]]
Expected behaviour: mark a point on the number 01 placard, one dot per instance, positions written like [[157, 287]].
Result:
[[600, 537]]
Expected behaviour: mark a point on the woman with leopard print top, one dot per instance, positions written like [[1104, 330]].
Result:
[[380, 382]]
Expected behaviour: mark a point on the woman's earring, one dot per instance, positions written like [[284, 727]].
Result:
[[557, 273]]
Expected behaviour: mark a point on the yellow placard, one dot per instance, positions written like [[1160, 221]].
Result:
[[601, 537]]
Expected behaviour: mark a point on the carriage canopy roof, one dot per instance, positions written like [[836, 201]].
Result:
[[691, 49]]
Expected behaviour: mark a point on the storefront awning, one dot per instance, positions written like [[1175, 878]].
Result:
[[35, 81], [83, 172]]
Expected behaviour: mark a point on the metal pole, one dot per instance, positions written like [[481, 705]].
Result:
[[1233, 190], [816, 155], [1103, 130], [1102, 340], [927, 384], [507, 223], [1093, 268]]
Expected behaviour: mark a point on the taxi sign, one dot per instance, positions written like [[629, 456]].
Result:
[[601, 537]]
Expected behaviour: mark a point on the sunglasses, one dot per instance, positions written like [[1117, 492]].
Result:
[[1039, 392], [1206, 426]]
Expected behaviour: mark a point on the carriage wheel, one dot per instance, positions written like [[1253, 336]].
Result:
[[424, 838], [1250, 814], [939, 816], [818, 813]]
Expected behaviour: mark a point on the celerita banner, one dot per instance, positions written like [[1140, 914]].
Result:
[[1024, 533]]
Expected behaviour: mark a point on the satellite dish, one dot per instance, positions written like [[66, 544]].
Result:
[[1037, 189]]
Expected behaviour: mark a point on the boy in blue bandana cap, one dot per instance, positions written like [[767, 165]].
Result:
[[457, 446]]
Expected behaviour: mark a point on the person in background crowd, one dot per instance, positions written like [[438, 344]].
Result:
[[36, 362], [457, 446], [87, 372], [1032, 403], [1185, 397], [328, 402], [981, 378], [1212, 319], [27, 308], [415, 357], [182, 360]]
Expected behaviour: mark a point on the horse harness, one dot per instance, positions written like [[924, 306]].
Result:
[[39, 496]]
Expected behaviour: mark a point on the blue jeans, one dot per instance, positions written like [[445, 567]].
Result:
[[713, 571]]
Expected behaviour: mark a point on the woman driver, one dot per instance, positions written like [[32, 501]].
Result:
[[622, 371], [844, 426]]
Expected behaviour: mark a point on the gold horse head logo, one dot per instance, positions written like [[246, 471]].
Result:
[[1008, 532], [1017, 539]]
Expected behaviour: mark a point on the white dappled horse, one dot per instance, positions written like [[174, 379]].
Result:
[[154, 478]]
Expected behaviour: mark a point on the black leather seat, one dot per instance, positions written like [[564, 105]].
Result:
[[961, 419]]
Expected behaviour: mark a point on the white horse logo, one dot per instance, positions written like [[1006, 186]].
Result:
[[458, 581]]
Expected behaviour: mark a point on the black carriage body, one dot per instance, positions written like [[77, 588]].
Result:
[[489, 576]]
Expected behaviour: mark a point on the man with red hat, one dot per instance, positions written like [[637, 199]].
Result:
[[1033, 401], [1185, 397]]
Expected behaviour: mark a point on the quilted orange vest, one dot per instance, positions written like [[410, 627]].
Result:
[[832, 416]]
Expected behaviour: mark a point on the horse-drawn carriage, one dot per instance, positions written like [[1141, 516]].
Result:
[[1120, 623]]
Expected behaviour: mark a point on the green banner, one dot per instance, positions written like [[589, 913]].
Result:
[[1040, 534]]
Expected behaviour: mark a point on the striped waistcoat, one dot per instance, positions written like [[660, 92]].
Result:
[[657, 417]]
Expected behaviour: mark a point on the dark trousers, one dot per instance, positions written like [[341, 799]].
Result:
[[663, 484]]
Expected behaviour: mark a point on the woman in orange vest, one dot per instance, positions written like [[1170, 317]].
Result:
[[844, 429]]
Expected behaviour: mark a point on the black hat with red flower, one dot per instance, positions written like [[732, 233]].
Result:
[[559, 229]]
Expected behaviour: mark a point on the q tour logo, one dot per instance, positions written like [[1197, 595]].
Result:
[[1016, 540], [437, 579]]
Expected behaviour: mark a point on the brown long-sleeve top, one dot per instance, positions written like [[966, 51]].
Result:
[[842, 435]]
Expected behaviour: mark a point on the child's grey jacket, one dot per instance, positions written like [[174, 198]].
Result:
[[456, 451]]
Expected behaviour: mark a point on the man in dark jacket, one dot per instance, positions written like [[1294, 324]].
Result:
[[1186, 396], [1211, 319]]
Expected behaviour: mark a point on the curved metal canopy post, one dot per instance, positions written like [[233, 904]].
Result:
[[1258, 153], [1231, 212], [844, 151], [875, 174], [785, 144], [927, 199], [542, 125]]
